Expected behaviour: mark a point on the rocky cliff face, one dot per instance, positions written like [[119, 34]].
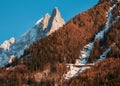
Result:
[[42, 28], [55, 21]]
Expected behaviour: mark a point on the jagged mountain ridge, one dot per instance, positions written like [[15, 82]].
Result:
[[91, 36], [81, 32], [43, 27], [69, 40]]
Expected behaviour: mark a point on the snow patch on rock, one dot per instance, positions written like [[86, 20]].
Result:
[[6, 44]]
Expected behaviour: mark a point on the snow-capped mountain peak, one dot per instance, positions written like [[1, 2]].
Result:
[[12, 40], [43, 27], [45, 21], [55, 21], [39, 21], [56, 11], [6, 44]]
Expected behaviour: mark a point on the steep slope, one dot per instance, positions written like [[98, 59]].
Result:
[[64, 45], [76, 40], [62, 57], [42, 28], [55, 21], [105, 73], [98, 49], [111, 37]]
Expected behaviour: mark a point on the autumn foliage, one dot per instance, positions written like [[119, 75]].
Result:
[[64, 45], [111, 38], [43, 64], [105, 73]]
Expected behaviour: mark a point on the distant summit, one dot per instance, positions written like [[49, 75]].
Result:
[[43, 27], [6, 44], [45, 21], [56, 20]]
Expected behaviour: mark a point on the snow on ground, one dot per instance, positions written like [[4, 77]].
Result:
[[100, 35], [74, 71], [85, 53], [103, 56]]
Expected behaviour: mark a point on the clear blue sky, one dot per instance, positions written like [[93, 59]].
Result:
[[17, 16]]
